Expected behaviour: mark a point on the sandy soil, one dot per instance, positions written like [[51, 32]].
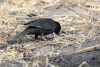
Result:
[[78, 44]]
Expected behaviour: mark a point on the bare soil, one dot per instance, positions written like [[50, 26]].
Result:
[[78, 44]]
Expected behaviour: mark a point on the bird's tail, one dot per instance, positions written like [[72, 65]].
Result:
[[19, 35]]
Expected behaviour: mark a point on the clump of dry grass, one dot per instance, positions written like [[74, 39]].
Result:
[[12, 12]]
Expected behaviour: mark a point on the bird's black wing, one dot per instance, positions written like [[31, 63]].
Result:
[[45, 23]]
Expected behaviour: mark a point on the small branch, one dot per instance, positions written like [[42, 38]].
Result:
[[96, 47]]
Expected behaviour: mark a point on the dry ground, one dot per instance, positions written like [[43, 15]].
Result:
[[78, 44]]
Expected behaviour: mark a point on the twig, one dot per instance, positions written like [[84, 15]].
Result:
[[81, 51], [85, 49], [44, 45]]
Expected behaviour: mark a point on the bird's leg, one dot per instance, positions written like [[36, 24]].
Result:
[[36, 36]]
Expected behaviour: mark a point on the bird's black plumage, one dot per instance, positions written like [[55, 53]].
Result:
[[45, 23], [43, 26]]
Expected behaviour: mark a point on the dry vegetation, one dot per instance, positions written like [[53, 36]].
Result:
[[13, 12]]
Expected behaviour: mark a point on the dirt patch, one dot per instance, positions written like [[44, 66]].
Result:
[[78, 44]]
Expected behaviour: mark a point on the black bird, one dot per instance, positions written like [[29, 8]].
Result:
[[42, 26]]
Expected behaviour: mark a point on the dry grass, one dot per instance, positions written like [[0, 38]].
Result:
[[12, 12]]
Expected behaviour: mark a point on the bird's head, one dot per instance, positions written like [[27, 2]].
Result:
[[57, 29]]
